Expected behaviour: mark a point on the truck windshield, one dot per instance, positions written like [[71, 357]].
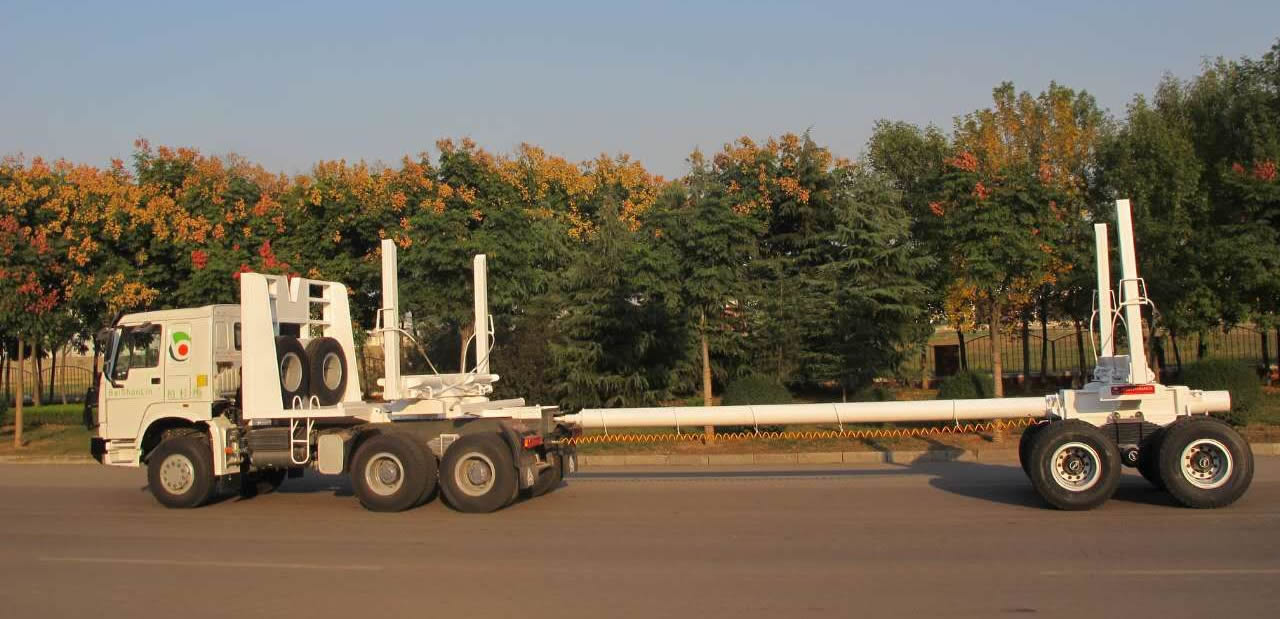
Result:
[[139, 347]]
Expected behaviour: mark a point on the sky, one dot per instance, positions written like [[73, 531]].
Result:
[[287, 84]]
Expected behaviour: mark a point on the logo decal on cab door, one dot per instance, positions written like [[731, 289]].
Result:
[[179, 345]]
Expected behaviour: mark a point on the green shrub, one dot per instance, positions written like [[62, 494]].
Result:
[[1224, 374], [754, 390], [4, 411], [875, 393], [966, 386]]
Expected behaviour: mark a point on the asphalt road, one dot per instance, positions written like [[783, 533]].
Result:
[[952, 539]]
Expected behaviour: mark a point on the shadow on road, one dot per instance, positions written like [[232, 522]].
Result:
[[997, 483], [339, 485]]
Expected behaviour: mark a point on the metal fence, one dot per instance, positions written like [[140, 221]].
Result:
[[1244, 343], [63, 384]]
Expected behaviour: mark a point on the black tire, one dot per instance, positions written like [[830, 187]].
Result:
[[1149, 457], [391, 473], [265, 481], [478, 475], [180, 471], [1025, 444], [270, 480], [1074, 466], [295, 378], [549, 479], [432, 487], [328, 370], [1205, 463]]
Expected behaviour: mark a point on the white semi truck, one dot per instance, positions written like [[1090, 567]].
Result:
[[260, 391], [265, 389]]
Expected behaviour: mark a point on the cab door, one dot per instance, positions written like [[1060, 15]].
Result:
[[136, 372]]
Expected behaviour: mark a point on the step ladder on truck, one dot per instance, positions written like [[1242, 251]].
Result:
[[1074, 452], [251, 394]]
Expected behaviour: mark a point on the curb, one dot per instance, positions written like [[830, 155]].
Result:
[[832, 457], [47, 460]]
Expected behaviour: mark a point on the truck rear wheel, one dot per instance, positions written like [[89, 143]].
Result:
[[391, 473], [1074, 466], [1205, 463], [180, 471], [478, 475], [550, 477]]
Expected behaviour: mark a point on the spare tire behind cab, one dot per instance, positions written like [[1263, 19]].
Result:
[[295, 377], [327, 370]]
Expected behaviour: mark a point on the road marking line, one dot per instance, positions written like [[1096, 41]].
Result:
[[235, 564], [1204, 572]]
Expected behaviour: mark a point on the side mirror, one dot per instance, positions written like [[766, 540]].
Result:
[[104, 343]]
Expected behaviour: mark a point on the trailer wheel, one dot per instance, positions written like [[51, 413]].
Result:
[[550, 477], [180, 471], [1149, 458], [390, 473], [1074, 466], [1205, 463], [328, 370], [478, 474], [1025, 443], [294, 379]]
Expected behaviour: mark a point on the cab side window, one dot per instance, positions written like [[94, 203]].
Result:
[[139, 348]]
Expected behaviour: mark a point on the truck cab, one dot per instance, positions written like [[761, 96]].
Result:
[[163, 371]]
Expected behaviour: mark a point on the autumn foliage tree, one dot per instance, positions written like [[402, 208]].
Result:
[[1018, 180], [770, 257]]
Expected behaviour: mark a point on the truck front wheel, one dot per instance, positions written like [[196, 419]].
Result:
[[180, 471], [478, 474]]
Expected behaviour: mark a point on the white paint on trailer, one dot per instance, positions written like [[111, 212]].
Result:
[[390, 318], [1105, 324]]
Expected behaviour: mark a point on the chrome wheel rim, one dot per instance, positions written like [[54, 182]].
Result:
[[384, 474], [475, 474], [1207, 464], [177, 474], [1076, 466]]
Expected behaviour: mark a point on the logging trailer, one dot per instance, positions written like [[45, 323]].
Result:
[[254, 393]]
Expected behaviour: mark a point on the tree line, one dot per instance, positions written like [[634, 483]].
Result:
[[777, 258]]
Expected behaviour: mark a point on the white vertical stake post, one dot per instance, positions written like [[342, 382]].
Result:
[[481, 283], [1107, 344], [1138, 372], [390, 321]]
